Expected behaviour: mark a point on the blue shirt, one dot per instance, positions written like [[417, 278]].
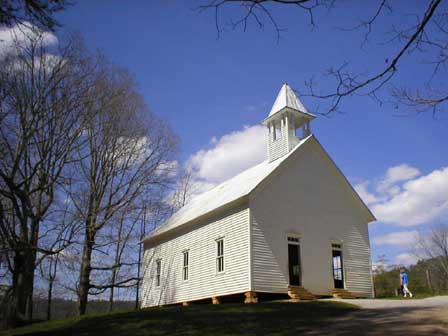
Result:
[[404, 278]]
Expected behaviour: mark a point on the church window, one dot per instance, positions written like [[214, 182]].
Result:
[[220, 255], [158, 271], [277, 130]]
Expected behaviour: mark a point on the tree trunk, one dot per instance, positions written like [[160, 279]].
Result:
[[117, 260], [137, 292], [428, 280], [49, 298], [17, 306], [111, 295], [53, 270], [31, 265], [84, 277], [140, 252], [22, 284], [30, 307]]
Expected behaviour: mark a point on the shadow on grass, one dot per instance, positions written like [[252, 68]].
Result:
[[275, 318]]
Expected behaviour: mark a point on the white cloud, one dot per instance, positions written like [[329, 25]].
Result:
[[405, 197], [367, 197], [396, 174], [406, 259], [22, 34], [168, 168], [229, 155], [421, 200], [379, 266], [226, 157], [396, 238]]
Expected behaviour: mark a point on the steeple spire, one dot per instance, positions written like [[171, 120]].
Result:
[[287, 115], [286, 98]]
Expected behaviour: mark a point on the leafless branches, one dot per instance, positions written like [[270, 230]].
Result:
[[434, 245], [184, 190], [258, 11], [348, 84], [39, 13], [126, 154], [43, 93], [428, 36], [367, 25]]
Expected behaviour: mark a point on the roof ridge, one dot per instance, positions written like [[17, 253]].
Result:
[[211, 203]]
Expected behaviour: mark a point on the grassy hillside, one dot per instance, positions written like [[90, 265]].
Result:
[[277, 318]]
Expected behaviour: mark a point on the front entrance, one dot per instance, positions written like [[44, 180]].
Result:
[[294, 265], [338, 271]]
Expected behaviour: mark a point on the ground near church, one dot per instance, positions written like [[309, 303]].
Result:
[[374, 317]]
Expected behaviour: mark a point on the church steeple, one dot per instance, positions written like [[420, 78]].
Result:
[[287, 116]]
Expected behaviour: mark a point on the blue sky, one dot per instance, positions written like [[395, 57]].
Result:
[[210, 89]]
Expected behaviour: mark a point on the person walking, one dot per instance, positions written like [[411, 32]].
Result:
[[404, 281]]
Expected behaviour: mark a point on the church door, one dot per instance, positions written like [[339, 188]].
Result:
[[294, 264], [338, 270]]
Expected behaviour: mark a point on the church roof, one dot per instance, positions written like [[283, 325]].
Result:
[[229, 191], [287, 98]]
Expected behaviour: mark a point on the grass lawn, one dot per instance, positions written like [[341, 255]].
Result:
[[273, 318]]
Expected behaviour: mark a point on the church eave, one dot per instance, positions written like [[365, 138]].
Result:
[[305, 115]]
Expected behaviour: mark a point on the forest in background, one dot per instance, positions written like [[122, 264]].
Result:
[[426, 278]]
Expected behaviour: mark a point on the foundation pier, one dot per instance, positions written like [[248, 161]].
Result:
[[251, 297]]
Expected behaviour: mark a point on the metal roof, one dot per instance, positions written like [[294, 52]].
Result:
[[231, 190], [287, 98]]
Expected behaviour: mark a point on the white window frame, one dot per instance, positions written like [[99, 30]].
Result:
[[338, 245], [158, 272], [185, 264], [293, 240], [296, 237], [220, 255]]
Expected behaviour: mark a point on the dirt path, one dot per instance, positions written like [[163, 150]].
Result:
[[393, 317]]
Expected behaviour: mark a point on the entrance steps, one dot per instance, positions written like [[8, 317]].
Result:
[[342, 293], [299, 293]]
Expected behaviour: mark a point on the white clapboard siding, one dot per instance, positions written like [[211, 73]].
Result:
[[267, 273], [278, 147], [357, 262], [203, 282], [309, 198]]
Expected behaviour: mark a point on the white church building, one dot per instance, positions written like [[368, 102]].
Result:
[[292, 225]]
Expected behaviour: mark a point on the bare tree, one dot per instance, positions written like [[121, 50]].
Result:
[[59, 231], [39, 13], [142, 235], [434, 245], [126, 154], [184, 189], [155, 212], [42, 96], [48, 271], [426, 37], [124, 240]]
